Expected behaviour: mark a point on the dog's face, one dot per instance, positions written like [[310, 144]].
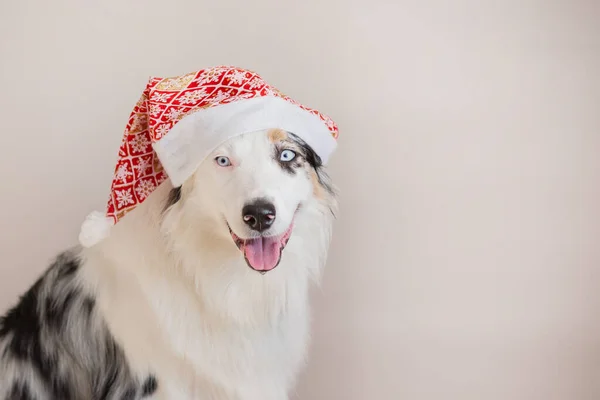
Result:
[[258, 186]]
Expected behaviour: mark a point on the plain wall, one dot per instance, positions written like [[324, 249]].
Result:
[[465, 263]]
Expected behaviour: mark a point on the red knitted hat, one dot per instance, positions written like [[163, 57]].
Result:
[[179, 121]]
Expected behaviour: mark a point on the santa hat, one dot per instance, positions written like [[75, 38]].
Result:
[[179, 121]]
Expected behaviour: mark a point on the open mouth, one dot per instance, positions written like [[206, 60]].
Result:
[[262, 253]]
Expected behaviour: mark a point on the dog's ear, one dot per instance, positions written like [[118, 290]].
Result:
[[179, 193], [174, 197]]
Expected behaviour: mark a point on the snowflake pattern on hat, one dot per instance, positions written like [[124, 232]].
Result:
[[164, 103]]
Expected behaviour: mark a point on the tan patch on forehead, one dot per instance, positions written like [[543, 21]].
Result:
[[318, 190], [277, 135]]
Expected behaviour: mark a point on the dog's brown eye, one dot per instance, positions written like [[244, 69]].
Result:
[[223, 161], [287, 155]]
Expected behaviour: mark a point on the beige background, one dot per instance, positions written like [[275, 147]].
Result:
[[466, 262]]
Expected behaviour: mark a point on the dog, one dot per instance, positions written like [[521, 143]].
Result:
[[202, 292]]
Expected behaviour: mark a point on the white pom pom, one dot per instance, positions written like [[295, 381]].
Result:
[[95, 228]]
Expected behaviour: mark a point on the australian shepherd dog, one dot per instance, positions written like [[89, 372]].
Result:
[[199, 293]]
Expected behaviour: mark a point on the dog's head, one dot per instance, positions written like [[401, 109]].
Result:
[[258, 191]]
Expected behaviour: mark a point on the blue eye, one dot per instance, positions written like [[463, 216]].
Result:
[[223, 161], [287, 155]]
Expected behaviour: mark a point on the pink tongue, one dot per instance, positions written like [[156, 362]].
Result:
[[263, 253]]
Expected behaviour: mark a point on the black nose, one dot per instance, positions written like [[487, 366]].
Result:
[[259, 215]]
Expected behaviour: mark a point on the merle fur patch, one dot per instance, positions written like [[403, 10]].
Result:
[[47, 335], [313, 159]]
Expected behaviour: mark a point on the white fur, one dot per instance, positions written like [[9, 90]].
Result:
[[179, 298]]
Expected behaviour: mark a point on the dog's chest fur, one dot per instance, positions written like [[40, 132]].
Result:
[[166, 330]]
